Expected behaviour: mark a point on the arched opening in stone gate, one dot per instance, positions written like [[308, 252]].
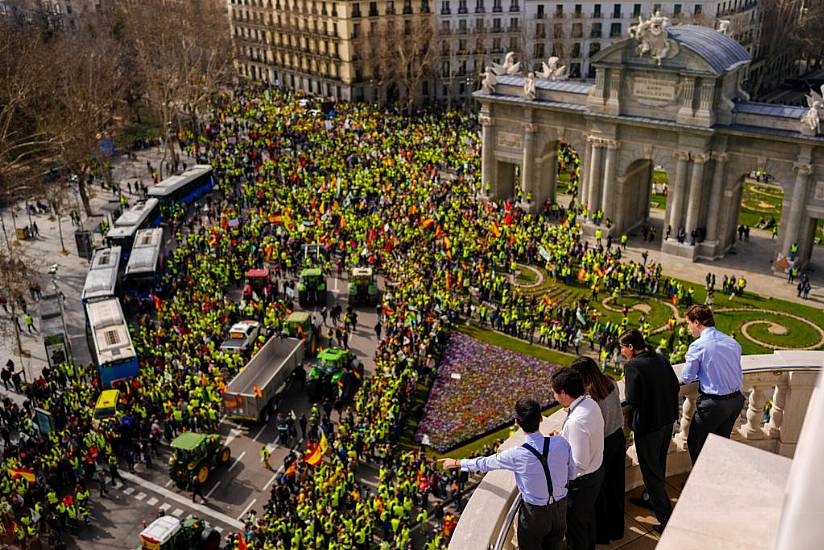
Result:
[[642, 201], [568, 171]]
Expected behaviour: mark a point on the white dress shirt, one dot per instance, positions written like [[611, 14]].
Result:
[[584, 429]]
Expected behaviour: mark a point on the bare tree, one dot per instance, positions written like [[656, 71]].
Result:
[[86, 83], [416, 54], [22, 144], [811, 23], [183, 52], [779, 37], [14, 279]]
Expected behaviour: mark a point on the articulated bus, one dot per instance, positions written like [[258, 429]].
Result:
[[140, 216], [143, 270], [102, 278], [186, 187], [109, 341]]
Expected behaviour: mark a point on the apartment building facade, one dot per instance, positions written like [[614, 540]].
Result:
[[345, 49]]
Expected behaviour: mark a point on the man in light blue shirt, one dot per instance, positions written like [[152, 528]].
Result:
[[542, 467], [714, 359]]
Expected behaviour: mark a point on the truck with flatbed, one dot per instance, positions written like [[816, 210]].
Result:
[[251, 394]]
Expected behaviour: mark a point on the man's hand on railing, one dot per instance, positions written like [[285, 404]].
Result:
[[450, 463]]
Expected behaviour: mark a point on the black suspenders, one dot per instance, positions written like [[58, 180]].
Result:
[[542, 458]]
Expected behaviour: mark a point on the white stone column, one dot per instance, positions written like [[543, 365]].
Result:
[[608, 191], [793, 224], [696, 191], [595, 176], [528, 165], [685, 112], [583, 181], [675, 219], [716, 195], [488, 186]]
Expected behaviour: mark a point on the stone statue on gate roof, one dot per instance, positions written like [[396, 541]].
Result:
[[653, 38], [509, 66], [811, 121], [550, 70]]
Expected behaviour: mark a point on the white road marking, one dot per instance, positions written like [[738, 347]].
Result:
[[152, 501], [271, 479], [233, 433], [209, 494], [177, 513], [200, 508], [243, 513], [260, 431], [218, 528], [128, 490], [165, 506], [168, 483], [237, 461], [140, 496]]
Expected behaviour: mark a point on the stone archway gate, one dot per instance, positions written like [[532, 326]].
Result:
[[671, 99]]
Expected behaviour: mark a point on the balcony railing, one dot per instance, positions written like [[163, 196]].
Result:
[[788, 378]]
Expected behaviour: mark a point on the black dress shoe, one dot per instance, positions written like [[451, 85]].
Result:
[[638, 501]]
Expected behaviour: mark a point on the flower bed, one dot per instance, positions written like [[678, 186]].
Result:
[[476, 390]]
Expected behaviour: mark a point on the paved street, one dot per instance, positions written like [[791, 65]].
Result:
[[243, 485]]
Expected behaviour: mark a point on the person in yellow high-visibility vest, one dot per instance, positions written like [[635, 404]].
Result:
[[264, 457]]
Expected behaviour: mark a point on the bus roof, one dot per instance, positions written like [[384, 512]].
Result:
[[102, 276], [109, 331], [136, 214], [173, 183], [145, 252]]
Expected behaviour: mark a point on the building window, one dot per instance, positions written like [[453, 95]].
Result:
[[559, 10], [424, 6], [513, 24], [540, 13], [615, 30], [636, 10], [461, 6], [577, 10], [577, 30], [676, 10], [596, 11], [513, 5], [539, 50], [594, 47], [575, 70], [496, 6], [479, 6], [407, 7], [462, 26], [616, 11], [540, 30], [698, 9], [496, 24], [576, 50], [355, 10], [445, 27], [373, 9], [445, 9], [596, 30], [390, 7]]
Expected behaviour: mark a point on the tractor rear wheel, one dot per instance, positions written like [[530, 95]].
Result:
[[203, 474], [224, 455]]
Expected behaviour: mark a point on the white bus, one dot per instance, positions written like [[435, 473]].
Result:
[[186, 187], [101, 280], [140, 216], [143, 270], [110, 342]]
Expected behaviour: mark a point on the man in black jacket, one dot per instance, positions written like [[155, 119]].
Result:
[[651, 389]]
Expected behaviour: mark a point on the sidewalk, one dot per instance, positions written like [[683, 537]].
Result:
[[45, 250]]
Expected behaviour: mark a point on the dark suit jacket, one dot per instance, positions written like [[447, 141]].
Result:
[[651, 390]]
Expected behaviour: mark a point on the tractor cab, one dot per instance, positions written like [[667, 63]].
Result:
[[363, 286], [258, 284], [336, 374], [311, 287], [299, 325], [196, 454]]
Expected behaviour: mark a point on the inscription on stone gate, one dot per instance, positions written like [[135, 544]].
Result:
[[653, 88], [510, 140]]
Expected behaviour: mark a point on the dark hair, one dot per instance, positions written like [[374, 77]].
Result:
[[700, 313], [635, 339], [528, 414], [597, 384], [568, 381]]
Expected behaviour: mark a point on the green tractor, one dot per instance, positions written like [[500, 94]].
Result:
[[311, 287], [363, 287], [335, 374], [196, 454], [299, 325]]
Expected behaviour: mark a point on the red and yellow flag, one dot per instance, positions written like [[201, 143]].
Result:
[[25, 473], [258, 392], [314, 456]]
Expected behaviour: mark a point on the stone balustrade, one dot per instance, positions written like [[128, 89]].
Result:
[[777, 388]]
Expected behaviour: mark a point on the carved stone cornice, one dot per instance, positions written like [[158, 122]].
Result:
[[803, 168], [486, 120], [530, 128], [720, 157], [700, 158], [681, 155]]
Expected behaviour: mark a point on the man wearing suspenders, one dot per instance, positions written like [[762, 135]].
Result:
[[542, 467]]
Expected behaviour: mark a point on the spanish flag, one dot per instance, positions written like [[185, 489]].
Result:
[[25, 473], [258, 392], [314, 456], [241, 541]]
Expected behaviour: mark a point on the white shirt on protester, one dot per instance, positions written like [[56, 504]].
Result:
[[584, 429]]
